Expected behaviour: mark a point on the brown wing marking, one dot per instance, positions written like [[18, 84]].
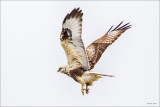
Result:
[[95, 50]]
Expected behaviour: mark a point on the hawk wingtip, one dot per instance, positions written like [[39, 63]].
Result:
[[76, 12], [120, 27]]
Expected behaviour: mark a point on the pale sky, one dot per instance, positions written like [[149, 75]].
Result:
[[31, 54]]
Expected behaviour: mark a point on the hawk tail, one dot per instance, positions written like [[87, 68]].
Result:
[[107, 75]]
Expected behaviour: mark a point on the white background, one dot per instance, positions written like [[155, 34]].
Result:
[[31, 54]]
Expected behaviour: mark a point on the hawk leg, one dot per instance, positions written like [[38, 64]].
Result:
[[87, 89], [82, 90]]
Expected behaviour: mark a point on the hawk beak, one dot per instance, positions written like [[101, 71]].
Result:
[[59, 69]]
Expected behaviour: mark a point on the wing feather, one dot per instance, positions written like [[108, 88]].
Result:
[[96, 49], [71, 39]]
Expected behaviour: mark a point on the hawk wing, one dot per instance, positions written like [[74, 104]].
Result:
[[96, 49], [71, 40]]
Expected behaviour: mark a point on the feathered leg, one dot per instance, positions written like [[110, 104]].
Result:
[[82, 90], [87, 89]]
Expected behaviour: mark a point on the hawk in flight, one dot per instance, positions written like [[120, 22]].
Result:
[[82, 60]]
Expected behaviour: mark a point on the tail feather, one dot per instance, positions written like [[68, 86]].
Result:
[[107, 75]]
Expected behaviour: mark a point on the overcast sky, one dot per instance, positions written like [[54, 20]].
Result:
[[32, 54]]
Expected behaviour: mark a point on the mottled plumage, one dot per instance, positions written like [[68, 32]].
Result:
[[81, 60]]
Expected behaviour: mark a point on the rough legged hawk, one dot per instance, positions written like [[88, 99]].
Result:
[[81, 60]]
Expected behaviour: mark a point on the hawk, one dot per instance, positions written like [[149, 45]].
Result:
[[82, 60]]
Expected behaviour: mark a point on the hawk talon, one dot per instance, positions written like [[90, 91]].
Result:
[[82, 92], [87, 91]]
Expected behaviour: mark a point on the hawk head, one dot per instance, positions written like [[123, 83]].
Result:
[[63, 70]]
